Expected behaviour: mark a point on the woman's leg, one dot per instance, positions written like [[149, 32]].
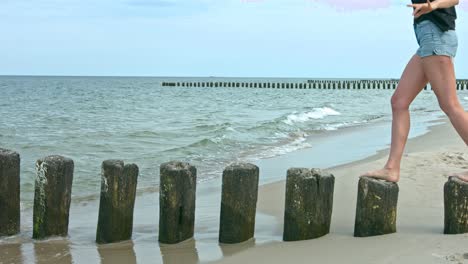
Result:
[[411, 83], [441, 75]]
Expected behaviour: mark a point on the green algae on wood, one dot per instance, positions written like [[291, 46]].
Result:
[[376, 208], [9, 192], [238, 203], [118, 191], [455, 206], [52, 196], [176, 201], [308, 204]]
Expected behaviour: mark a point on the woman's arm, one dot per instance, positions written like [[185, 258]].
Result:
[[443, 3], [421, 9]]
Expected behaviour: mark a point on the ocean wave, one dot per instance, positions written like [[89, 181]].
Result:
[[202, 143], [205, 144], [466, 98], [296, 141], [143, 134], [317, 113], [336, 126], [332, 127], [215, 128]]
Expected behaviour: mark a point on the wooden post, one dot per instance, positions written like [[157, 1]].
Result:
[[176, 201], [118, 190], [52, 196], [456, 206], [308, 205], [376, 208], [238, 203], [9, 192]]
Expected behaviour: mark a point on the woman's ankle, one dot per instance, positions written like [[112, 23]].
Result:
[[392, 167]]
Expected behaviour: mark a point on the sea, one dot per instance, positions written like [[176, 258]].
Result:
[[136, 119]]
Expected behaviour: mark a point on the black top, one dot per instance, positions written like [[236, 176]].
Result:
[[444, 18]]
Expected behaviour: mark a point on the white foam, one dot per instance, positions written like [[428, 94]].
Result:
[[317, 113], [466, 98], [296, 144], [331, 127]]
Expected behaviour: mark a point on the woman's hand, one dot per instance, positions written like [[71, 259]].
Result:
[[421, 9]]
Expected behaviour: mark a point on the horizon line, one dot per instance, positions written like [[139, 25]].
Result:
[[200, 76]]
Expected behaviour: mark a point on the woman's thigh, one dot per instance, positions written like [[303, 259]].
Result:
[[412, 81], [441, 75]]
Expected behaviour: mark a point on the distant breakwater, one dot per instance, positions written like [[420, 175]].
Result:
[[309, 84]]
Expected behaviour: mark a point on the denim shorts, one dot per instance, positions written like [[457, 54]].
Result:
[[433, 41]]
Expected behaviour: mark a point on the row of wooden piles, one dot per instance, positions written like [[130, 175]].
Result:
[[308, 203], [311, 84]]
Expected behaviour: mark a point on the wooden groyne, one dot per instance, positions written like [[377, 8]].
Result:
[[384, 84], [455, 206], [308, 201], [52, 196], [238, 203], [9, 192], [376, 209], [308, 204], [118, 190]]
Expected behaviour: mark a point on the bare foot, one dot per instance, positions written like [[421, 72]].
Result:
[[386, 174], [462, 176]]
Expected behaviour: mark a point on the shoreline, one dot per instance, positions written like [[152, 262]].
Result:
[[79, 247], [415, 144]]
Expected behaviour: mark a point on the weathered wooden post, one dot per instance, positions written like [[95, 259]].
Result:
[[238, 203], [376, 208], [52, 196], [456, 206], [176, 201], [308, 205], [118, 190], [9, 192]]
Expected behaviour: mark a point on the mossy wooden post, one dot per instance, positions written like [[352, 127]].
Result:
[[308, 205], [118, 190], [176, 201], [52, 196], [9, 192], [238, 203], [456, 206], [376, 208]]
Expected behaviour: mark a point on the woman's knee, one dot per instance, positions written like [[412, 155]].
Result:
[[451, 107], [399, 103]]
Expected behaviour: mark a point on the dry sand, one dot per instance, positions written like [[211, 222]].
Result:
[[428, 161]]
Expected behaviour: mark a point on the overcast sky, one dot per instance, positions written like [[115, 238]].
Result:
[[252, 38]]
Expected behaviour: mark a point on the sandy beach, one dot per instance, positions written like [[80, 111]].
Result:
[[428, 161]]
